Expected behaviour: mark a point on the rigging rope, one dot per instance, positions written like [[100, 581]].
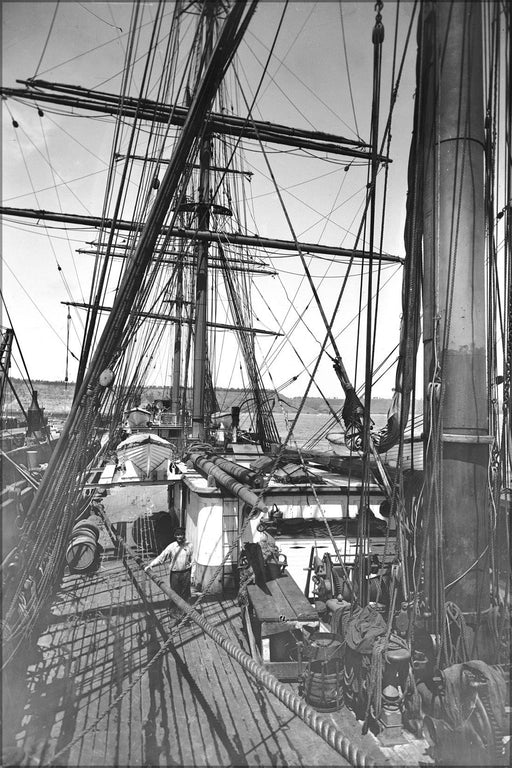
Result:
[[47, 38], [59, 489], [317, 722]]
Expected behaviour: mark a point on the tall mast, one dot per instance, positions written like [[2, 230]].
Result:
[[58, 489], [176, 400], [456, 416], [176, 368], [201, 307]]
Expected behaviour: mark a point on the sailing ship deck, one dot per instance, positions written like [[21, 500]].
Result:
[[102, 692]]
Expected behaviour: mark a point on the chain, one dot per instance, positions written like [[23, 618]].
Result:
[[378, 29]]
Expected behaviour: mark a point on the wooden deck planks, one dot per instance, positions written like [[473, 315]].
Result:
[[277, 736], [213, 706], [242, 714], [269, 728], [194, 706]]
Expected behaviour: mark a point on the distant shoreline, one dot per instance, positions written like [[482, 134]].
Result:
[[56, 398]]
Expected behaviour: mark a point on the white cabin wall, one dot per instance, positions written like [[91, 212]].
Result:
[[334, 507], [212, 526]]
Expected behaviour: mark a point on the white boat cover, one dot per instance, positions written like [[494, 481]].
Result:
[[146, 451], [138, 417]]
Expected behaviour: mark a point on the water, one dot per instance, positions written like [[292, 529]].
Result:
[[309, 425]]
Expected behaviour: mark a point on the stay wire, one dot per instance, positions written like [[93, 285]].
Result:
[[152, 274], [49, 239], [26, 376], [36, 307], [349, 79], [55, 188], [310, 90], [101, 270], [47, 39]]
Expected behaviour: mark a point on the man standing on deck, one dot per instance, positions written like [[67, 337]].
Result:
[[179, 553]]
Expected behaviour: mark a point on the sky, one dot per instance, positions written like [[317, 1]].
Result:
[[59, 162]]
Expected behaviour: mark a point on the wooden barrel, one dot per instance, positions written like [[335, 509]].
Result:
[[323, 679], [85, 525], [81, 551], [32, 459]]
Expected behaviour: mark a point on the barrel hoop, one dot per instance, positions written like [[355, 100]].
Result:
[[81, 552]]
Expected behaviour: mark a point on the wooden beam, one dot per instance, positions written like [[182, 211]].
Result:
[[157, 112], [231, 238], [174, 319]]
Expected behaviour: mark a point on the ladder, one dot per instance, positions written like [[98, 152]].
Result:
[[229, 537]]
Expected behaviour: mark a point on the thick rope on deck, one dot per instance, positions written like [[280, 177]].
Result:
[[317, 722]]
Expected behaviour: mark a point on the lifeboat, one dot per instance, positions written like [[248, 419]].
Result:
[[147, 453]]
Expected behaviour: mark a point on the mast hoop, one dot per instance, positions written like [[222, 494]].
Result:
[[461, 138]]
